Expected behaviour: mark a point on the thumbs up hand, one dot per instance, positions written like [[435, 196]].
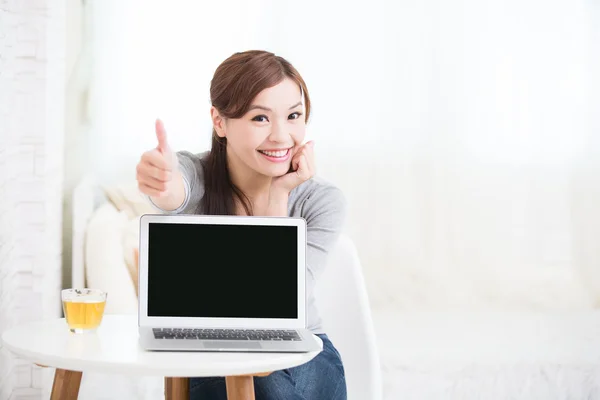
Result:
[[158, 167]]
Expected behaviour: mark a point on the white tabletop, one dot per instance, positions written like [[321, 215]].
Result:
[[114, 348]]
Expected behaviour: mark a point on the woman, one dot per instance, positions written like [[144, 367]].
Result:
[[258, 165]]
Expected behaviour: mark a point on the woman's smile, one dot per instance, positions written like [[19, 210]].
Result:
[[276, 155]]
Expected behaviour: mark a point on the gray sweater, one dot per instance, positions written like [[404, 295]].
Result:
[[321, 204]]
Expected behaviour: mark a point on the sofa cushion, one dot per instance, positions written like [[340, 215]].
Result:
[[105, 266], [127, 198], [131, 239]]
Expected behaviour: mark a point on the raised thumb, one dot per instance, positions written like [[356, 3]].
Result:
[[161, 135]]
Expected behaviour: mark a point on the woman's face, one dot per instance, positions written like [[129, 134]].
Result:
[[266, 138]]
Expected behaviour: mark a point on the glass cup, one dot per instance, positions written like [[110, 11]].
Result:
[[83, 309]]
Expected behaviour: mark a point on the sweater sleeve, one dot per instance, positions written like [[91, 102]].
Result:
[[325, 213]]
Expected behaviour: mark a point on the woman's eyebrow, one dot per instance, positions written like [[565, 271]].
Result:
[[254, 106]]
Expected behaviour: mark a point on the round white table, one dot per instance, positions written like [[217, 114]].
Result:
[[114, 348]]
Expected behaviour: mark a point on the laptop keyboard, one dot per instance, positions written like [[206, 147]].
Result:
[[225, 334]]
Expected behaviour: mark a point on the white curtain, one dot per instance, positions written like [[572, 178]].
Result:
[[465, 134]]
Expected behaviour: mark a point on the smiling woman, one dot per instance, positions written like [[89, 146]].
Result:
[[258, 165]]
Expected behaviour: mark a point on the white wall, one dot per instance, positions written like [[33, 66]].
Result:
[[31, 159], [462, 132]]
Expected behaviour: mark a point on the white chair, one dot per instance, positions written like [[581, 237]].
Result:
[[341, 296]]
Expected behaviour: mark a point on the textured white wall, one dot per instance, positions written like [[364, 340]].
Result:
[[32, 47]]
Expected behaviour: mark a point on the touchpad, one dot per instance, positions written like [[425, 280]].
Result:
[[224, 344]]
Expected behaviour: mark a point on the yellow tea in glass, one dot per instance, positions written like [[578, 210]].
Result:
[[83, 309]]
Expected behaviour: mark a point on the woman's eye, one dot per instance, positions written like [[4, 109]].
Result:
[[297, 115], [258, 118]]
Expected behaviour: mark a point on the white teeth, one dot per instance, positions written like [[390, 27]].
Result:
[[280, 153]]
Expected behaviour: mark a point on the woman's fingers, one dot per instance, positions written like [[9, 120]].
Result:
[[150, 191], [303, 170], [158, 159], [146, 169], [153, 174], [310, 157], [153, 183], [306, 161]]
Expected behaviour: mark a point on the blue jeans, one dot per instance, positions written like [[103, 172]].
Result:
[[320, 378]]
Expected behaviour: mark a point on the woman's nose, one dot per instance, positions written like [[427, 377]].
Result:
[[278, 133]]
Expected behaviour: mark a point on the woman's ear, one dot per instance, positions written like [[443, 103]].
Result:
[[218, 122]]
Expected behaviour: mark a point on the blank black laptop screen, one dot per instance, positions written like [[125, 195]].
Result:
[[224, 271]]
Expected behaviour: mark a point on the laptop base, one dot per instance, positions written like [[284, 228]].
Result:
[[307, 344]]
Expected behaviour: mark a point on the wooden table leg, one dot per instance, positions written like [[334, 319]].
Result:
[[240, 387], [177, 388], [66, 384]]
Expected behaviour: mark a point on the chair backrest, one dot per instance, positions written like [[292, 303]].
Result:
[[343, 303]]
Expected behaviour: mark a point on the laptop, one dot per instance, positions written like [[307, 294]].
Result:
[[223, 283]]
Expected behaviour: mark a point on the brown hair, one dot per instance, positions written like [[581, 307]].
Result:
[[236, 82]]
